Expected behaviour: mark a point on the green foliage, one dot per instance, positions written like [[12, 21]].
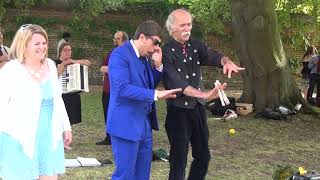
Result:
[[283, 172], [78, 52], [76, 24], [113, 26], [19, 4], [80, 29], [298, 19], [85, 8], [299, 22], [44, 22], [83, 23], [156, 10], [197, 32], [94, 8], [85, 29], [212, 14], [295, 64], [2, 10], [23, 4]]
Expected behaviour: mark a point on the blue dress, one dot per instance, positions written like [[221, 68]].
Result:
[[15, 165]]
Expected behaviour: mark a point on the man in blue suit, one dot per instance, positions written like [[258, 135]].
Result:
[[132, 113]]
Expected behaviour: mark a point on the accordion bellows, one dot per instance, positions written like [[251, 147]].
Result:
[[75, 78]]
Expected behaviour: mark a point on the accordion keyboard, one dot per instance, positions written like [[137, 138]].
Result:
[[75, 78]]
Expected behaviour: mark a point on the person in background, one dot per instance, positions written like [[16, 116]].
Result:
[[308, 55], [72, 100], [34, 125], [65, 38], [314, 66], [186, 120], [119, 38], [132, 112], [3, 50]]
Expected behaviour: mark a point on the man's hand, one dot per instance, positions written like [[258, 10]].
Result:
[[229, 66], [104, 69], [164, 94], [157, 57], [67, 139], [213, 93]]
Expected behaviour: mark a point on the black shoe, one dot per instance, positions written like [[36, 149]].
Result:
[[105, 162], [106, 141]]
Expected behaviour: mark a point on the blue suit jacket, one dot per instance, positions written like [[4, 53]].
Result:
[[131, 100]]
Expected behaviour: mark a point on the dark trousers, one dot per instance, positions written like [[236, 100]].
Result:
[[105, 103], [314, 79], [184, 126]]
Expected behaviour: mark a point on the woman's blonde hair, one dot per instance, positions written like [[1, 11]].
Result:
[[21, 39]]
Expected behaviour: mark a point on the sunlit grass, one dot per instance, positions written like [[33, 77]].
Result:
[[257, 147]]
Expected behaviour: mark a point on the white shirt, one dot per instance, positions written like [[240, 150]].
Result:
[[159, 69]]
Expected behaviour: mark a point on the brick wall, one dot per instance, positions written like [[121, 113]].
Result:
[[227, 48], [92, 52], [96, 53]]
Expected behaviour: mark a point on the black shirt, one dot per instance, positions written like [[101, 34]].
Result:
[[57, 61], [181, 71]]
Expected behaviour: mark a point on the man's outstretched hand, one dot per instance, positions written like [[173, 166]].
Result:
[[164, 94], [229, 67]]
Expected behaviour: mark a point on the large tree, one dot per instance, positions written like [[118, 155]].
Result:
[[268, 81], [298, 20]]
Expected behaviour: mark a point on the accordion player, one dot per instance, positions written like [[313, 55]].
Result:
[[75, 78]]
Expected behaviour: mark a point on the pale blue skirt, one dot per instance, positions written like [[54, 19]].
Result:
[[15, 165]]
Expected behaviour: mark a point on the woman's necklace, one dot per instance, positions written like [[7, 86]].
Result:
[[36, 72]]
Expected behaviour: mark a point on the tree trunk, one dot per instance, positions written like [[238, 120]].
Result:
[[267, 80]]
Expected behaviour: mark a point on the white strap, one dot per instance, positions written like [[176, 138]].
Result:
[[222, 95]]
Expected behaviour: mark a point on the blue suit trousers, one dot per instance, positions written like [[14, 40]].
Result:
[[133, 158]]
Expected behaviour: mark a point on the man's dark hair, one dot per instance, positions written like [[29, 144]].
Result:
[[148, 28], [66, 35]]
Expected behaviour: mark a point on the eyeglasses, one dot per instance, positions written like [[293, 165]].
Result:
[[156, 42], [25, 26]]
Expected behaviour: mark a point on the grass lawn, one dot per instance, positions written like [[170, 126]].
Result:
[[255, 150]]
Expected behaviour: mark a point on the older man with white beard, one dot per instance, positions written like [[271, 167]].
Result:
[[186, 119]]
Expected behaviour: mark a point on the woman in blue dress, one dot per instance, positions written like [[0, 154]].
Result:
[[34, 125]]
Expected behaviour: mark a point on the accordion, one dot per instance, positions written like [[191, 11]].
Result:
[[75, 78]]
